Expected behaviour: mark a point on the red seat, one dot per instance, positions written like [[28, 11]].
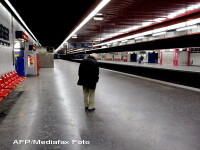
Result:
[[5, 90], [12, 80], [7, 81], [3, 94], [1, 98], [14, 77], [4, 86]]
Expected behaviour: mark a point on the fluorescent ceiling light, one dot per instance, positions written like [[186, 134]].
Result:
[[99, 14], [171, 15], [22, 21], [175, 26], [92, 14], [179, 12], [129, 29], [137, 38], [121, 31], [186, 28], [147, 23], [161, 33], [159, 30], [74, 37], [191, 8], [124, 41], [193, 22], [98, 18], [182, 11], [159, 19]]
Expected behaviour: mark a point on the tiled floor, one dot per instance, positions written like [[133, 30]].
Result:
[[131, 114]]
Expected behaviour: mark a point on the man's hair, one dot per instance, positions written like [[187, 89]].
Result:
[[94, 55]]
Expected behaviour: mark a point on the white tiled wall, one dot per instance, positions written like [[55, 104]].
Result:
[[167, 58], [118, 55], [6, 53], [195, 59], [183, 58]]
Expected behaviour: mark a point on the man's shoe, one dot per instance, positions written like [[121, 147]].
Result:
[[91, 109], [86, 108]]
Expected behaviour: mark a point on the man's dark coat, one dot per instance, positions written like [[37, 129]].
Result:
[[88, 72]]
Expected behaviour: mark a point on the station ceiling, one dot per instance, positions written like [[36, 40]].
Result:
[[52, 22], [120, 17]]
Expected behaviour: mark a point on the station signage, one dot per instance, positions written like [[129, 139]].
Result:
[[80, 45], [32, 47], [21, 35], [4, 36], [195, 50]]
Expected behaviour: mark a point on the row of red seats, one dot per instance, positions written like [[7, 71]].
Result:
[[8, 82]]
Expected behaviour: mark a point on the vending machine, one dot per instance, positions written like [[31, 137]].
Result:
[[30, 63], [19, 62], [25, 58], [20, 46]]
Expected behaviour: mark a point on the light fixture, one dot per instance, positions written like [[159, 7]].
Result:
[[92, 14], [186, 28], [98, 18], [147, 23], [22, 21], [161, 33], [124, 41], [74, 36], [193, 22], [179, 12], [99, 14], [191, 8], [137, 38], [158, 31], [159, 19], [162, 18]]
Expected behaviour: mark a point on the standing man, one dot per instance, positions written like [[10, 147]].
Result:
[[88, 77]]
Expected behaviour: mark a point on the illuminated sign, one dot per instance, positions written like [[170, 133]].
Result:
[[32, 47], [80, 45], [21, 35], [4, 36], [31, 61]]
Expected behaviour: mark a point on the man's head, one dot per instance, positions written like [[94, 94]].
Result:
[[94, 55]]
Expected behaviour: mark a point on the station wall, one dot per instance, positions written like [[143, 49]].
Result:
[[7, 52], [195, 59], [183, 58], [167, 58]]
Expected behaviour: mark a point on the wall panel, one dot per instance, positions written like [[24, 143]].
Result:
[[6, 52]]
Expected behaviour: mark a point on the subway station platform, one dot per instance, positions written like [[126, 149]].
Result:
[[180, 75], [131, 114], [156, 65]]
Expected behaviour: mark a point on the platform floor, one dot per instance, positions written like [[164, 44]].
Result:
[[156, 65], [131, 114]]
